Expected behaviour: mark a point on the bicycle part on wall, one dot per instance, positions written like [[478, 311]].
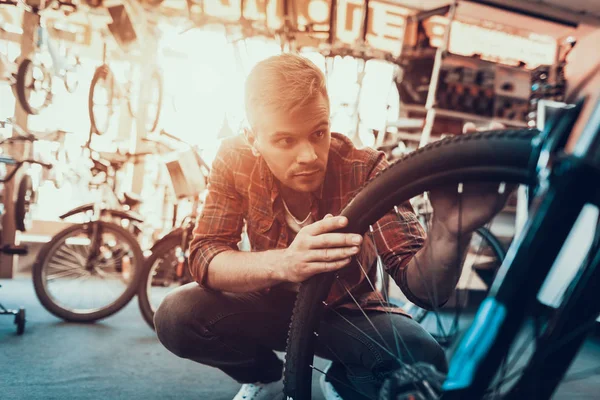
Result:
[[106, 93], [100, 99], [33, 87], [35, 74]]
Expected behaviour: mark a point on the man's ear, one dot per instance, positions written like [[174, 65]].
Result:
[[251, 139]]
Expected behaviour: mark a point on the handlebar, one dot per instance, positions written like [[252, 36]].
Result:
[[19, 164], [175, 138]]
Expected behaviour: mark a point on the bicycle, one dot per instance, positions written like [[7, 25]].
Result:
[[167, 267], [35, 75], [480, 365], [101, 253]]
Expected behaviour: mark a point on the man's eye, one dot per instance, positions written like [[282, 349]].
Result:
[[285, 141], [319, 134]]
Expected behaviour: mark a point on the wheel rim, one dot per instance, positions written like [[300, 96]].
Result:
[[102, 103], [167, 273], [81, 282], [37, 87]]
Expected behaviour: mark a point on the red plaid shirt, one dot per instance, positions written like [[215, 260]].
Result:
[[242, 188]]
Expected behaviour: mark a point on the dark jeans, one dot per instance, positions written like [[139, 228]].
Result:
[[237, 333]]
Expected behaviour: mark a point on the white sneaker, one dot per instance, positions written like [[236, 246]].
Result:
[[327, 388], [261, 391]]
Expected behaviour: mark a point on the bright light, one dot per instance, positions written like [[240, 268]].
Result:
[[318, 11], [438, 30]]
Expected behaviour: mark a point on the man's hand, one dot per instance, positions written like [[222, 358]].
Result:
[[315, 249]]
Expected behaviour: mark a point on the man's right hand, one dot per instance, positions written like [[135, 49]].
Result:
[[316, 250]]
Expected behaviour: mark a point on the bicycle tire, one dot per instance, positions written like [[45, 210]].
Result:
[[504, 156], [102, 72], [159, 250], [496, 247], [25, 197], [20, 87], [46, 299]]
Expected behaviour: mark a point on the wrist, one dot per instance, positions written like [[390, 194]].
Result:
[[277, 265]]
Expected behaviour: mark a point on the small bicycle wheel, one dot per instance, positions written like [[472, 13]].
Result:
[[25, 198], [20, 321], [71, 75], [101, 99], [497, 159], [153, 102], [165, 270], [33, 87], [88, 271]]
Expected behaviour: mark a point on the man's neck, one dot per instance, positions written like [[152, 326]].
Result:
[[298, 202]]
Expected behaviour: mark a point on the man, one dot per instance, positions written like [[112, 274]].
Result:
[[288, 178]]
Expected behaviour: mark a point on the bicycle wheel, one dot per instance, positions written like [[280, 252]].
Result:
[[154, 103], [484, 257], [88, 271], [165, 270], [33, 87], [101, 99], [499, 157]]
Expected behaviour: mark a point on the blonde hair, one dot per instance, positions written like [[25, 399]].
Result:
[[282, 82]]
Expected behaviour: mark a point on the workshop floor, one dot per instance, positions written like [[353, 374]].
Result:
[[121, 358]]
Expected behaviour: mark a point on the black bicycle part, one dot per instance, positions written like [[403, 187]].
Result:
[[21, 87], [502, 156], [163, 252], [20, 321], [102, 73], [487, 342], [25, 198]]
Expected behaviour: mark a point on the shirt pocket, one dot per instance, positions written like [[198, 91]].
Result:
[[260, 224]]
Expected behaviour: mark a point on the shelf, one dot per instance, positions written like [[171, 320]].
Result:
[[474, 117], [463, 116]]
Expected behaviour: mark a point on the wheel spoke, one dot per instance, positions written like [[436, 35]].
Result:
[[338, 280], [379, 266], [363, 332]]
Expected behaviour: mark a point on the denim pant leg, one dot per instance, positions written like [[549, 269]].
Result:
[[235, 332], [366, 352]]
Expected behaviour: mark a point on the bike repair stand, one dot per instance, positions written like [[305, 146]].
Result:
[[8, 247]]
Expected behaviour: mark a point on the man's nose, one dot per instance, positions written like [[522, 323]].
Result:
[[306, 154]]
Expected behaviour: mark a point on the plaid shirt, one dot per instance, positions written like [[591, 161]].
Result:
[[242, 188]]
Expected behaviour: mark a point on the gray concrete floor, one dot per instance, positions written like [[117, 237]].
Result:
[[120, 358]]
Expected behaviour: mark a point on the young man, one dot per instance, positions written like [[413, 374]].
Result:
[[287, 179]]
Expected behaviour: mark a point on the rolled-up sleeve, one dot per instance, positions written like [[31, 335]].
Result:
[[219, 225]]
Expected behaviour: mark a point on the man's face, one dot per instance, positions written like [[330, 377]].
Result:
[[295, 145]]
